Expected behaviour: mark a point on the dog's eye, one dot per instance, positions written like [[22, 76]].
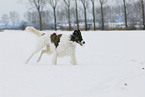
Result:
[[76, 33]]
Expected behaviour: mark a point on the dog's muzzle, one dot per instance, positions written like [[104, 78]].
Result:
[[81, 43]]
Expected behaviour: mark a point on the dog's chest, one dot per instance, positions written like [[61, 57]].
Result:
[[65, 47]]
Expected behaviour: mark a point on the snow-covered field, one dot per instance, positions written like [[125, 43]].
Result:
[[111, 64]]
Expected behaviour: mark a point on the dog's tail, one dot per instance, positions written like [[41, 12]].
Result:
[[34, 31]]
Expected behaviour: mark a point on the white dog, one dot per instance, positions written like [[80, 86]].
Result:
[[60, 45]]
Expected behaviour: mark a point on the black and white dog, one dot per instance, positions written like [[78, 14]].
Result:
[[58, 44]]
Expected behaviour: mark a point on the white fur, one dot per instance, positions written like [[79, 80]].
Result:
[[65, 47]]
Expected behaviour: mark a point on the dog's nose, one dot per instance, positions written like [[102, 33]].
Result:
[[83, 42]]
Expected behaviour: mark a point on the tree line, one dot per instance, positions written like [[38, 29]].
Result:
[[51, 14]]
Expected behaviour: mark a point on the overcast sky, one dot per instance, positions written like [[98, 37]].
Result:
[[11, 5]]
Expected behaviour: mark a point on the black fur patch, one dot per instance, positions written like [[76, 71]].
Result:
[[55, 39], [77, 37]]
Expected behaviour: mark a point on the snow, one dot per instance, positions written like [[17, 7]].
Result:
[[109, 65]]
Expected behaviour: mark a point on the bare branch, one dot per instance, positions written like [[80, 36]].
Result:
[[67, 2], [102, 2], [53, 3]]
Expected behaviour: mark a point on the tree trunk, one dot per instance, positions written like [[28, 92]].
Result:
[[85, 15], [77, 20], [69, 18], [55, 18], [40, 19], [143, 14], [102, 16], [93, 9], [125, 14]]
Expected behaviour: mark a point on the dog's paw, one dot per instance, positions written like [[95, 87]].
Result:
[[73, 63], [54, 62], [38, 60]]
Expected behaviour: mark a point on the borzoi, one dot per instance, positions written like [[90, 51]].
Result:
[[58, 44]]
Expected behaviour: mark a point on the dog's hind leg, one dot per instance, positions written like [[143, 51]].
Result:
[[35, 51], [42, 52], [39, 45], [31, 56]]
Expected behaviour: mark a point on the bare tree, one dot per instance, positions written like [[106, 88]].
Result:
[[125, 13], [5, 20], [85, 3], [93, 12], [102, 2], [67, 2], [77, 20], [61, 14], [142, 4], [32, 18], [73, 16], [134, 14], [39, 5], [53, 4], [14, 17], [47, 17]]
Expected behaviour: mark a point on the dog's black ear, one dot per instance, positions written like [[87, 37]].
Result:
[[75, 32], [79, 31]]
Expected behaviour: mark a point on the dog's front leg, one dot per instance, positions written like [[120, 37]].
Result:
[[54, 59], [73, 60]]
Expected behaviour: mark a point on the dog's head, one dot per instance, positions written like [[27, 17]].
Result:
[[77, 37]]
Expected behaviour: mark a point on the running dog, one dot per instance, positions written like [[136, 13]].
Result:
[[59, 44]]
